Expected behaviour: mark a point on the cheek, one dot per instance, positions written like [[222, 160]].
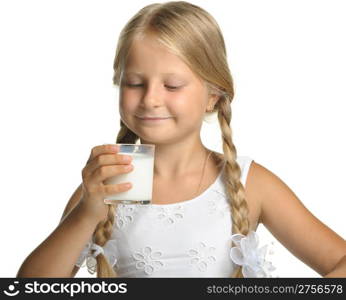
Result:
[[189, 104], [127, 101], [126, 105], [126, 109]]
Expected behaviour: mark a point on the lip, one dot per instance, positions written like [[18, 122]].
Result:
[[153, 118]]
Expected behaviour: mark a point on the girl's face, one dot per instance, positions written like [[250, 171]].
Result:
[[157, 83]]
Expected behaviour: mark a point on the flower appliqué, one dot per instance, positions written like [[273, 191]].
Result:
[[170, 215], [252, 259], [124, 214], [202, 256], [147, 260]]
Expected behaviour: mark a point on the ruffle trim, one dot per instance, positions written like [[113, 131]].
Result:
[[247, 254], [87, 257]]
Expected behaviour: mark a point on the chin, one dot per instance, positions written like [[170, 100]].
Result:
[[162, 139]]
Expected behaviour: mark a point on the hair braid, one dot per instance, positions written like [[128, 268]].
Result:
[[234, 187], [101, 235]]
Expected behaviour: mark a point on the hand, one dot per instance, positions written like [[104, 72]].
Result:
[[104, 162]]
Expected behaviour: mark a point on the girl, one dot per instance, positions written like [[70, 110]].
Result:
[[171, 65]]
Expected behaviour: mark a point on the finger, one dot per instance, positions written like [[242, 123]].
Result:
[[110, 189], [107, 159], [104, 172], [103, 149]]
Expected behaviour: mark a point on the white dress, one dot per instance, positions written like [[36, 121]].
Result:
[[186, 239]]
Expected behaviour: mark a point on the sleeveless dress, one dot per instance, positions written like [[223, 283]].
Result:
[[191, 238]]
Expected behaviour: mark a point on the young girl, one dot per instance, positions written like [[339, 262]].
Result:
[[171, 65]]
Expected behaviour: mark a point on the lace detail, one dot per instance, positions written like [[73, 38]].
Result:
[[202, 256], [170, 215], [147, 260], [124, 215], [218, 205]]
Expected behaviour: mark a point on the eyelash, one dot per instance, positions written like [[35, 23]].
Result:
[[140, 85]]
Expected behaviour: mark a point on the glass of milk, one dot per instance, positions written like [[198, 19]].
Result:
[[141, 176]]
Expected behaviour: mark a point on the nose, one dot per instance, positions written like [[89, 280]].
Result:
[[152, 96]]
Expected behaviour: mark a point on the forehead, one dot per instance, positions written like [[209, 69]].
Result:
[[129, 73], [147, 56]]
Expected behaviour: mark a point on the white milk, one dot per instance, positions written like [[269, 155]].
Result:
[[141, 178]]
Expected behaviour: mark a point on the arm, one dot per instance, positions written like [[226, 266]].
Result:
[[306, 237], [56, 256], [339, 270]]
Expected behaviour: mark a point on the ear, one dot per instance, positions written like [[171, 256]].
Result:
[[212, 100]]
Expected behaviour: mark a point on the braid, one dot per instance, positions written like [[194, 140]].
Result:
[[101, 235], [234, 187], [125, 135], [103, 231]]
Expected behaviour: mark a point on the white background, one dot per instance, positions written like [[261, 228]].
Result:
[[288, 63]]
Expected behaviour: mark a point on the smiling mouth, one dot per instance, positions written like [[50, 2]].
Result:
[[153, 119]]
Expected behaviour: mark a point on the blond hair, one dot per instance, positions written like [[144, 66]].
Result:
[[194, 36]]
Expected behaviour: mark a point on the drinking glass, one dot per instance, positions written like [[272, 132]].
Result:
[[141, 176]]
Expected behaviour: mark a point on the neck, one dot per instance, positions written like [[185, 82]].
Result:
[[177, 160]]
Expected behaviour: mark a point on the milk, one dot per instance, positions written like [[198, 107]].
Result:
[[141, 178]]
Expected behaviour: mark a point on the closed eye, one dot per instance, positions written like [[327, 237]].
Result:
[[134, 85], [140, 85], [172, 87]]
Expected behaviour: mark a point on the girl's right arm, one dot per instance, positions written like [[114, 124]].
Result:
[[56, 256]]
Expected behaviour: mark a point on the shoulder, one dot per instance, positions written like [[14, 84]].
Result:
[[260, 177], [263, 186]]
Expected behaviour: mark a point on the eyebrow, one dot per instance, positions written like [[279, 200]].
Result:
[[140, 73]]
